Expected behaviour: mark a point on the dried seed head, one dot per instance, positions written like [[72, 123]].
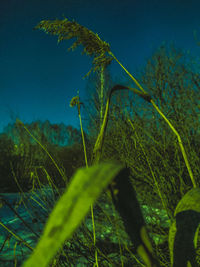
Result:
[[74, 101]]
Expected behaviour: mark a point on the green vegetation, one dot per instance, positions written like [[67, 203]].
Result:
[[161, 166]]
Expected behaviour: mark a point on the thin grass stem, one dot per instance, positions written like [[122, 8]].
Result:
[[86, 163], [167, 121]]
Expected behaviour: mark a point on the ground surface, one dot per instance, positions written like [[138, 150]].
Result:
[[34, 213]]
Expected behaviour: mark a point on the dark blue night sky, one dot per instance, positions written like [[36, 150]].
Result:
[[38, 77]]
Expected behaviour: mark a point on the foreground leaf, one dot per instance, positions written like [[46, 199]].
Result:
[[84, 188], [184, 230]]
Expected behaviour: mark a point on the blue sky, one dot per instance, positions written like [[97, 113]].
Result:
[[38, 77]]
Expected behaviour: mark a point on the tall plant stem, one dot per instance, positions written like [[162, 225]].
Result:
[[180, 143], [83, 138], [167, 121], [101, 92], [135, 81], [86, 163]]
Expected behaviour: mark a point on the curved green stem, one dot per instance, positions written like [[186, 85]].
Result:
[[145, 95]]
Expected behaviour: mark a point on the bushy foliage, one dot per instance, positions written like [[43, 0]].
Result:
[[145, 146], [6, 148], [45, 132], [71, 158], [24, 162]]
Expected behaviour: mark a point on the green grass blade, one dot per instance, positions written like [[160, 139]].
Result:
[[84, 188]]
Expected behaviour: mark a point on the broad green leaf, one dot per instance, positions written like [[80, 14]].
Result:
[[183, 232], [84, 188]]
